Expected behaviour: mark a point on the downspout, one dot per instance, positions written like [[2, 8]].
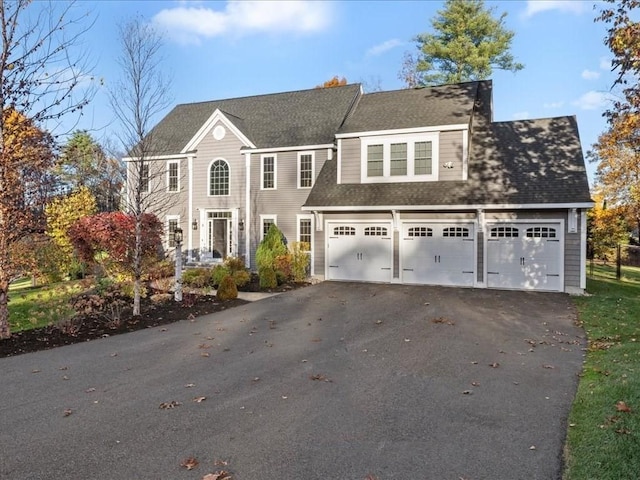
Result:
[[247, 210], [190, 207]]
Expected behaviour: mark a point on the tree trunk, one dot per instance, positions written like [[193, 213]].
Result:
[[137, 266], [5, 331]]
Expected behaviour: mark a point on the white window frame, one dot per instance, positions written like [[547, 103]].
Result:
[[169, 163], [168, 220], [145, 165], [410, 140], [313, 169], [209, 178], [275, 171], [264, 217], [311, 218]]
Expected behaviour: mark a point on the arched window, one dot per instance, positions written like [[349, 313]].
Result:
[[219, 178]]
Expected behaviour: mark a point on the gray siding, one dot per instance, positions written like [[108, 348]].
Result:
[[450, 151], [350, 160], [285, 201]]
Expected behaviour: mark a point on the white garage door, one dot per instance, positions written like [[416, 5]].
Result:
[[524, 256], [359, 251], [437, 253]]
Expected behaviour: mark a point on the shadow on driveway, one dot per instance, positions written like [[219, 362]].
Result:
[[333, 381]]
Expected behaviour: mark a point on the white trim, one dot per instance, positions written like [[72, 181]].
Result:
[[190, 203], [209, 178], [207, 126], [400, 131], [313, 169], [583, 250], [175, 156], [167, 219], [247, 210], [410, 141], [169, 176], [307, 216], [275, 171], [339, 163], [465, 154], [435, 208], [461, 221], [290, 148], [263, 217], [549, 221]]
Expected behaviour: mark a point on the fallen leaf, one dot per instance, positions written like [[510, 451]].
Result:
[[190, 385], [67, 412], [114, 354], [221, 475], [205, 354], [467, 392], [475, 384], [189, 463], [548, 366], [494, 365], [35, 371], [256, 379], [378, 322], [171, 404], [89, 390], [191, 316], [63, 368], [407, 339], [221, 463], [64, 377], [319, 377], [623, 407], [532, 447], [204, 346], [199, 399]]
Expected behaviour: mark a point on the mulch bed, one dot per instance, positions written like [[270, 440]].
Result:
[[83, 329]]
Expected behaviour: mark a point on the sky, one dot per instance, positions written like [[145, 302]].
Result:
[[225, 49]]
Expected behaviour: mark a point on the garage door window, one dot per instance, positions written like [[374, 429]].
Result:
[[541, 232], [342, 231], [455, 232], [420, 232], [375, 231], [504, 232]]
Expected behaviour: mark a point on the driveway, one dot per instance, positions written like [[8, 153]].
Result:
[[334, 381]]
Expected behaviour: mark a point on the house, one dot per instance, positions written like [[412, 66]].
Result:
[[415, 186]]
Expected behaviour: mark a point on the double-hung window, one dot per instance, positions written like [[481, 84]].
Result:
[[305, 169], [172, 224], [266, 221], [144, 177], [173, 176], [268, 169], [400, 158]]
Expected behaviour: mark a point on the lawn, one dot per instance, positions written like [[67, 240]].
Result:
[[603, 440], [33, 307]]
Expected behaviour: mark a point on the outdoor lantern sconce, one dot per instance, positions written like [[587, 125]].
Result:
[[241, 225], [194, 225], [177, 235]]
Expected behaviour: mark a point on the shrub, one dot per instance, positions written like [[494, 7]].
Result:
[[300, 261], [241, 277], [161, 269], [196, 277], [270, 248], [282, 267], [108, 302], [268, 278], [234, 264], [227, 289], [217, 274]]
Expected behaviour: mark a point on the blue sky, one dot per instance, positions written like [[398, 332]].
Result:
[[229, 49]]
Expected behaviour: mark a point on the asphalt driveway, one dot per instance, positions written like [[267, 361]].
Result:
[[334, 381]]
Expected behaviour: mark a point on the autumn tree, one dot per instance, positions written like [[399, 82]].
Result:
[[61, 213], [607, 227], [618, 149], [40, 82], [333, 82], [109, 239], [136, 99], [84, 163], [467, 43]]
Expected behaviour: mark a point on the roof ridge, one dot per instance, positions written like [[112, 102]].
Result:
[[268, 94]]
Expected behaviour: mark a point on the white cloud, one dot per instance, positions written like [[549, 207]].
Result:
[[192, 24], [564, 6], [590, 74], [521, 115], [593, 100], [553, 105], [384, 47]]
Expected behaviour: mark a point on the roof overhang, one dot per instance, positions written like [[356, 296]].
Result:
[[434, 208], [433, 128]]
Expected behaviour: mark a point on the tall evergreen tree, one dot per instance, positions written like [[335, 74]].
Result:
[[467, 43]]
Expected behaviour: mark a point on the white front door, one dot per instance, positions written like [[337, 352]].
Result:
[[217, 236]]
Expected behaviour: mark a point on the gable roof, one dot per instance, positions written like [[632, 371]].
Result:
[[410, 108], [533, 162], [305, 117]]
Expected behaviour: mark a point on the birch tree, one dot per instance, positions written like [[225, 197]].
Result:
[[140, 94], [42, 79]]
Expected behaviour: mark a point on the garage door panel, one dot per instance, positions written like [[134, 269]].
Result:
[[437, 253], [524, 256]]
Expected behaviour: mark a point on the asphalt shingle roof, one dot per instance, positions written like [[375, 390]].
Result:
[[306, 117], [523, 162], [420, 107]]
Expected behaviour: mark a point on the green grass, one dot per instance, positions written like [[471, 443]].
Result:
[[33, 307], [604, 443]]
